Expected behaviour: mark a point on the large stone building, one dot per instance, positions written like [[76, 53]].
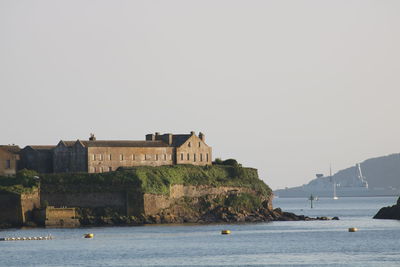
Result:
[[9, 157], [95, 156], [38, 158]]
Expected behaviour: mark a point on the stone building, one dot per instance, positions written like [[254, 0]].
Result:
[[9, 157], [38, 158], [95, 156]]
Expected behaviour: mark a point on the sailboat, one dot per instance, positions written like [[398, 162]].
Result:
[[334, 184]]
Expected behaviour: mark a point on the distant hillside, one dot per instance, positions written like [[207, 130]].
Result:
[[382, 175], [379, 172]]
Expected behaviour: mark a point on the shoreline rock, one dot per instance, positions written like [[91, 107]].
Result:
[[391, 212]]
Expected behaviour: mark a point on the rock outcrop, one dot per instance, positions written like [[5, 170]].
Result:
[[392, 212]]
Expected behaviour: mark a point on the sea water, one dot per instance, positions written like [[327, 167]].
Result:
[[300, 243]]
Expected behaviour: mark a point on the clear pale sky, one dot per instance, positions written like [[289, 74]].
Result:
[[287, 87]]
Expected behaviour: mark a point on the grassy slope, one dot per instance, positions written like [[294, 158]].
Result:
[[156, 180]]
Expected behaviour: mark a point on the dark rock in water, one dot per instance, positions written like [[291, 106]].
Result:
[[392, 212], [335, 218]]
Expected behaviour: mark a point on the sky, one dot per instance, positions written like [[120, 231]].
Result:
[[287, 87]]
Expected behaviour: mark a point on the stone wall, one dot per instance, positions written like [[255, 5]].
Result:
[[135, 203], [60, 217], [29, 202], [86, 200], [18, 209]]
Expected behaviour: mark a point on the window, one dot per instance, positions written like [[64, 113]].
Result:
[[93, 156], [201, 157], [188, 156], [156, 156], [109, 157], [189, 145], [8, 164], [110, 169], [94, 168], [133, 157], [199, 144], [194, 157], [101, 169], [101, 157], [165, 156], [121, 157], [207, 157], [145, 157], [181, 156]]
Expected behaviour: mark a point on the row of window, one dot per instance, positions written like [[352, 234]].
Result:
[[188, 158], [100, 157]]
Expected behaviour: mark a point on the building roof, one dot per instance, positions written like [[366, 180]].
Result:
[[41, 147], [117, 143], [68, 143], [179, 139], [11, 148]]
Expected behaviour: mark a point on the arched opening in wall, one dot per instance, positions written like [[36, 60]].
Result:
[[194, 157]]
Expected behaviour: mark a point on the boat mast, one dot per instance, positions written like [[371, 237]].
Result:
[[333, 181]]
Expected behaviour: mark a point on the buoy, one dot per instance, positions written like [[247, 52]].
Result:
[[353, 229], [88, 235], [225, 232]]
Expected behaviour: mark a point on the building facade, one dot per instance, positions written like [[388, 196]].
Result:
[[97, 156], [38, 158], [9, 158]]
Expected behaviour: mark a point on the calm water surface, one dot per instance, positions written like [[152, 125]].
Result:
[[314, 243]]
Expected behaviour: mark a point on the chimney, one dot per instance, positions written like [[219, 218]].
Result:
[[169, 139], [92, 137], [192, 133], [150, 137], [202, 137]]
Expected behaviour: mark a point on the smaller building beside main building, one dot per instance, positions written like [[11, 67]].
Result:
[[9, 158], [96, 156]]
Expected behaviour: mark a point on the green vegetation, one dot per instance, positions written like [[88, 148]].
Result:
[[156, 180], [23, 182]]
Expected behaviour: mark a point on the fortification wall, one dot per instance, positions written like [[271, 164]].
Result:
[[86, 200], [60, 217], [29, 202], [17, 209], [10, 209]]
